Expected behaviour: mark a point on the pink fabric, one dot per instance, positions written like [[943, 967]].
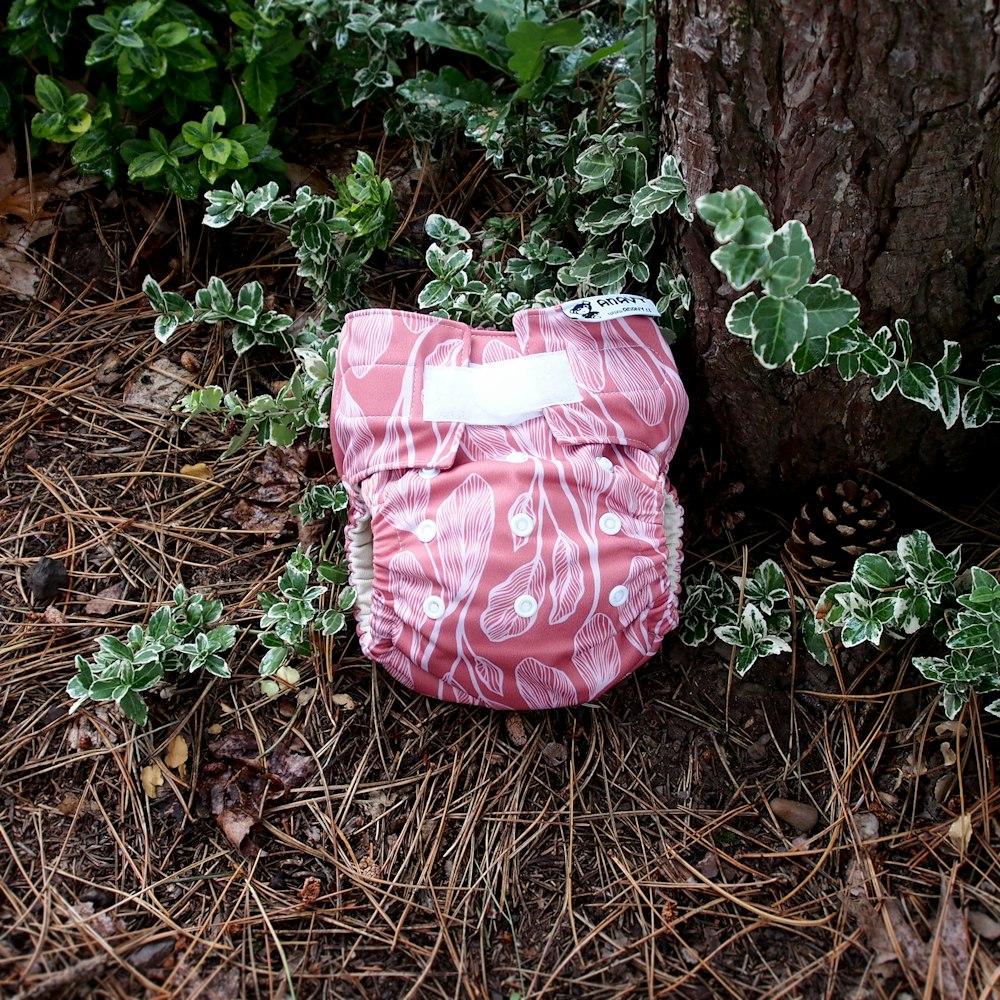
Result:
[[471, 610]]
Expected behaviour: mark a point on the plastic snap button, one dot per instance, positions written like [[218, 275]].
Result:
[[522, 525], [426, 530], [618, 596], [518, 456], [434, 607], [429, 473], [606, 464], [526, 605], [610, 524]]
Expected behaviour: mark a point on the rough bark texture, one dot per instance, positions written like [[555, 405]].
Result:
[[876, 124]]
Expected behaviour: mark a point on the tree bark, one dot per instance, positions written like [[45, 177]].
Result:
[[876, 124]]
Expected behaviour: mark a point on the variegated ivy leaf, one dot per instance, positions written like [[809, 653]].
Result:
[[738, 318], [792, 241], [732, 214], [779, 326], [782, 279], [741, 265], [918, 382], [660, 194], [766, 587], [446, 231], [867, 621], [876, 571]]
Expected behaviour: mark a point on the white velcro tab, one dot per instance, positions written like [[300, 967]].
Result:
[[599, 308], [502, 393]]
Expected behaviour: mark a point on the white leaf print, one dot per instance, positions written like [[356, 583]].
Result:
[[642, 574], [367, 336], [639, 584], [498, 350], [637, 382], [465, 527], [489, 675], [533, 436], [581, 343], [405, 501], [567, 578], [576, 422], [409, 587], [353, 436], [449, 688], [677, 411], [596, 655], [397, 664], [542, 686], [637, 504], [500, 621], [447, 353], [522, 504], [585, 361], [485, 442]]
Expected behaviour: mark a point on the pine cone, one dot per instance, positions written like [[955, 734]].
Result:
[[708, 496], [841, 523]]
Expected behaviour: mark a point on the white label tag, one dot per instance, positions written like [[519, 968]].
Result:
[[599, 308]]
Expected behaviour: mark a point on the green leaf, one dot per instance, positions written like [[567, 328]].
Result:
[[741, 265], [529, 41], [133, 706], [260, 87], [740, 312], [989, 379], [815, 641], [596, 167], [659, 194], [917, 382], [458, 38], [875, 571], [915, 552], [166, 36], [50, 93], [829, 309], [779, 326], [218, 151], [792, 240], [146, 165], [977, 408], [905, 340], [782, 279], [603, 217]]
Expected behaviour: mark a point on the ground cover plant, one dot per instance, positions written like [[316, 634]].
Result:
[[266, 815]]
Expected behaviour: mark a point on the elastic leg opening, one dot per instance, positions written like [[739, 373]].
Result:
[[673, 530], [362, 572]]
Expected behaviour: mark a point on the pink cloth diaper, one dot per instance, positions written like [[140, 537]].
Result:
[[512, 535]]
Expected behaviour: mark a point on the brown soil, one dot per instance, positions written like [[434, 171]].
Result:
[[625, 849]]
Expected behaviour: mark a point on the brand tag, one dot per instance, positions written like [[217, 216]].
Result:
[[599, 308]]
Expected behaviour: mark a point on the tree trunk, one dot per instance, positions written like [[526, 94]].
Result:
[[876, 124]]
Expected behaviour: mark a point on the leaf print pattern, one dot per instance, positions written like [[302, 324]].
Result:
[[522, 504], [465, 527], [500, 622], [567, 587], [482, 443], [542, 686], [489, 675], [595, 654], [607, 452], [409, 586], [405, 503], [366, 348]]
